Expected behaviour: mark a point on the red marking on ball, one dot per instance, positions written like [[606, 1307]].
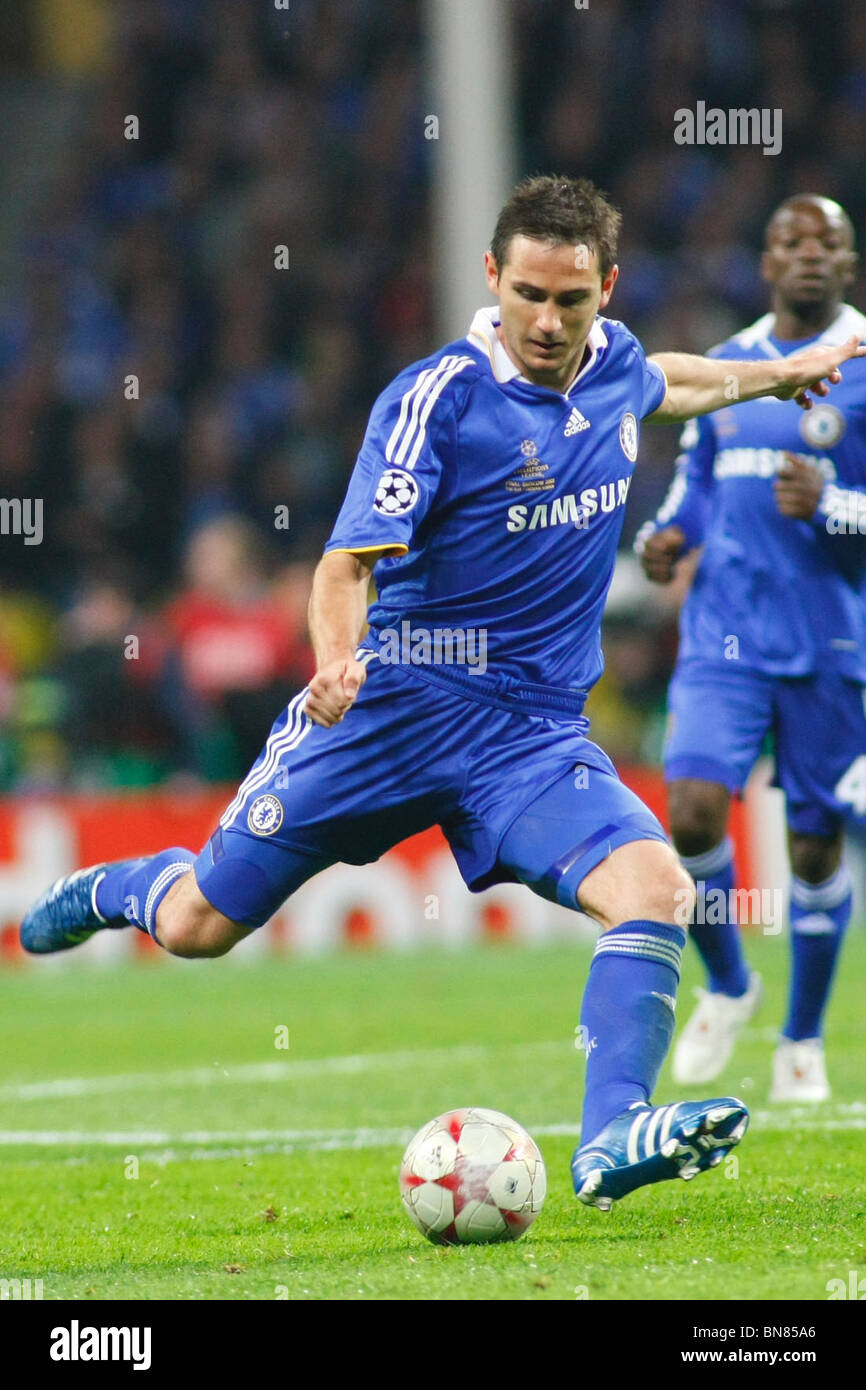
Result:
[[451, 1181]]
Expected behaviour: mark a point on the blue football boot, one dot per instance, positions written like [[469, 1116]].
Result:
[[66, 914], [648, 1144]]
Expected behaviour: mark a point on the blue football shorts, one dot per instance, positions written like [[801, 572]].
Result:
[[720, 714], [520, 798]]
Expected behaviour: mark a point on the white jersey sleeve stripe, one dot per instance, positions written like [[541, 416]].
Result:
[[431, 401], [409, 432], [673, 499], [423, 379], [424, 395]]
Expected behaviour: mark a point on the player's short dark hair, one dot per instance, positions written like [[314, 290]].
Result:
[[813, 200], [564, 211]]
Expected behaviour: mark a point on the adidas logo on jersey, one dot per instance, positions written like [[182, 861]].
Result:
[[576, 423]]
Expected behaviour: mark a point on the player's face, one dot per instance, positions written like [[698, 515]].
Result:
[[809, 259], [548, 298]]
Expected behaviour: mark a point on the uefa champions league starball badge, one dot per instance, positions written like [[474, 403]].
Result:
[[397, 493]]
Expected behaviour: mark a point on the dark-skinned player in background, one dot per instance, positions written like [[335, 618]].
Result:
[[773, 640]]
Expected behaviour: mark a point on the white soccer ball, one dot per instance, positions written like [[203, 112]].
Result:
[[472, 1176]]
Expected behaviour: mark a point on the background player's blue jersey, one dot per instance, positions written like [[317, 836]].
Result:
[[790, 592], [503, 502]]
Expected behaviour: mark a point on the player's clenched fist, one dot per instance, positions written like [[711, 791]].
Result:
[[798, 487], [333, 690], [660, 552]]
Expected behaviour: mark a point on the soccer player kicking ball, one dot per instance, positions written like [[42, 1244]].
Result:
[[772, 639], [488, 495]]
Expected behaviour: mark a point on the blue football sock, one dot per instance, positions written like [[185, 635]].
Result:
[[717, 939], [109, 889], [134, 888], [627, 1018], [820, 912]]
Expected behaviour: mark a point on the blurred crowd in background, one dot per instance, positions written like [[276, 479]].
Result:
[[151, 261]]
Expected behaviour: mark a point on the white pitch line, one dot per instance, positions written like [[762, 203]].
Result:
[[277, 1071], [841, 1117], [142, 1138]]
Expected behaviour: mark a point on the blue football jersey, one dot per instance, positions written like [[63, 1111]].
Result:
[[777, 595], [502, 503]]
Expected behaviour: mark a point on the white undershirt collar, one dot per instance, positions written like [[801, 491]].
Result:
[[483, 329], [848, 320]]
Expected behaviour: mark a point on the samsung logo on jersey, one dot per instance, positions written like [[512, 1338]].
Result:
[[570, 510], [762, 463]]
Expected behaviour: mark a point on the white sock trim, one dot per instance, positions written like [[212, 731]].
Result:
[[712, 861], [813, 896], [160, 885]]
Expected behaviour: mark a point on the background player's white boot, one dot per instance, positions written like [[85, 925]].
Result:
[[707, 1041], [799, 1072]]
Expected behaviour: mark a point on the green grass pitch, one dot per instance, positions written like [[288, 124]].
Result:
[[158, 1142]]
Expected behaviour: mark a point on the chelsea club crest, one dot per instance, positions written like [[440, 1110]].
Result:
[[822, 426], [628, 435], [265, 816]]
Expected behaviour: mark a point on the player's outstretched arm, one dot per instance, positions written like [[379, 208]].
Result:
[[700, 385], [338, 611]]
